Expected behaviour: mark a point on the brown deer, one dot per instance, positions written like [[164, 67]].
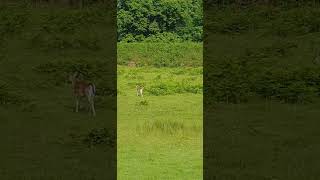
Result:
[[82, 88]]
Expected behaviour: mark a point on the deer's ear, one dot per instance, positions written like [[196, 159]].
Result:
[[75, 74]]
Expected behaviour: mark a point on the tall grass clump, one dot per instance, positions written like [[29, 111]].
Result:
[[169, 127], [8, 96], [168, 87]]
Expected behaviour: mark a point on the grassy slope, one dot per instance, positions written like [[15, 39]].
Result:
[[150, 143], [36, 139], [161, 54], [263, 141], [258, 140]]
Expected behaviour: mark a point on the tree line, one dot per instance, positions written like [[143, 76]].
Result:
[[241, 3], [63, 3], [160, 20]]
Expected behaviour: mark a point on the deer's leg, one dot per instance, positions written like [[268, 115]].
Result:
[[92, 107], [91, 103], [88, 107], [77, 104]]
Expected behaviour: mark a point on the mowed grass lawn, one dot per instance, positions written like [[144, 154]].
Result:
[[160, 135]]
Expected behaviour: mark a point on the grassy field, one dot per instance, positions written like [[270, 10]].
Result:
[[261, 93], [262, 141], [160, 135], [42, 137]]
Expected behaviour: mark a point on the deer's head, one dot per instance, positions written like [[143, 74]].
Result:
[[73, 77]]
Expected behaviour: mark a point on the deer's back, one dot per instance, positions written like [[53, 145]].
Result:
[[80, 88]]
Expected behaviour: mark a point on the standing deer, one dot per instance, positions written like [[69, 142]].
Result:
[[81, 89], [139, 89]]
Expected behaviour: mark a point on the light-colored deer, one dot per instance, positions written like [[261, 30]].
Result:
[[139, 89], [82, 88]]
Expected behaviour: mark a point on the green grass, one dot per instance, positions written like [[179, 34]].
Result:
[[261, 138], [262, 141], [159, 136], [160, 54], [42, 138]]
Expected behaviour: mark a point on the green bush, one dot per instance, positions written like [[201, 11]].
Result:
[[280, 21], [288, 85], [235, 80], [174, 87], [152, 20], [229, 81], [92, 70], [69, 29], [160, 54], [12, 20], [99, 136], [8, 96]]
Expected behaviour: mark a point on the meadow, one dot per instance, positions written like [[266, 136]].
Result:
[[42, 137], [160, 134], [261, 97], [261, 93]]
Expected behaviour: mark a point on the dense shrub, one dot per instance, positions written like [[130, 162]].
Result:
[[7, 96], [235, 80], [61, 42], [297, 21], [228, 81], [154, 19], [99, 136], [69, 30], [288, 85], [92, 70], [12, 20], [278, 21], [160, 54], [174, 87]]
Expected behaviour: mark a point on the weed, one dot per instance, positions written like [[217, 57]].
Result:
[[143, 103], [163, 126], [99, 136]]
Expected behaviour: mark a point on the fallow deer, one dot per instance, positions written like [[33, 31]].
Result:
[[82, 88], [139, 89]]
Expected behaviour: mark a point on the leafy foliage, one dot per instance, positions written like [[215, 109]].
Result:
[[68, 29], [273, 21], [160, 54], [236, 80], [8, 96], [159, 20], [93, 70], [99, 136], [12, 20]]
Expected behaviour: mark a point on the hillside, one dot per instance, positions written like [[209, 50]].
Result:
[[261, 92], [41, 135], [269, 52]]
